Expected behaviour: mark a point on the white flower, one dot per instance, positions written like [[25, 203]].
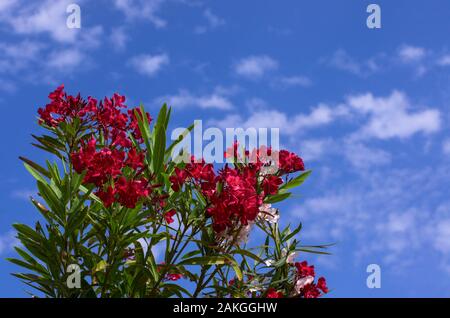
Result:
[[269, 214], [243, 234], [269, 262], [254, 286], [302, 282], [272, 169], [290, 258]]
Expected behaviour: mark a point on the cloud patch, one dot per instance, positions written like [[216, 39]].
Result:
[[149, 65], [392, 117], [255, 67], [184, 98]]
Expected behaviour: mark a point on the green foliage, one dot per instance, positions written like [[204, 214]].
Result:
[[78, 229]]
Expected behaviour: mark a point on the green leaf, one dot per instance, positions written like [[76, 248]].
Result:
[[215, 260], [28, 232], [51, 198], [311, 251], [100, 267], [291, 235], [76, 219], [249, 254], [205, 260], [35, 166], [34, 172], [91, 195], [144, 128], [159, 148], [191, 253], [277, 197], [295, 182], [177, 289]]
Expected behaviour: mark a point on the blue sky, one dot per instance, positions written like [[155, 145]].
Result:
[[368, 110]]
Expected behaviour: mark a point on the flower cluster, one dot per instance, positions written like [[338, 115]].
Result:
[[202, 213], [236, 194], [113, 164], [304, 284]]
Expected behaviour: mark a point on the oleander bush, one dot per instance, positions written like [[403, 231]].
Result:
[[114, 193]]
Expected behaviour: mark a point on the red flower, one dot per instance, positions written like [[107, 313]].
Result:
[[304, 270], [322, 284], [81, 159], [200, 170], [174, 276], [169, 216], [178, 179], [102, 165], [310, 291], [135, 160], [271, 184], [107, 197], [273, 293], [290, 162], [130, 191]]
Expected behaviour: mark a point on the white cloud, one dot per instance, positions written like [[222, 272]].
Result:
[[361, 156], [272, 118], [256, 103], [184, 98], [38, 60], [388, 214], [23, 194], [342, 61], [47, 17], [263, 115], [358, 154], [390, 117], [408, 53], [441, 232], [7, 242], [444, 60], [446, 147], [7, 4], [118, 38], [213, 20], [149, 65], [142, 9], [35, 62], [319, 115], [420, 59], [15, 57], [65, 60], [291, 81], [255, 67], [7, 85], [314, 149]]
